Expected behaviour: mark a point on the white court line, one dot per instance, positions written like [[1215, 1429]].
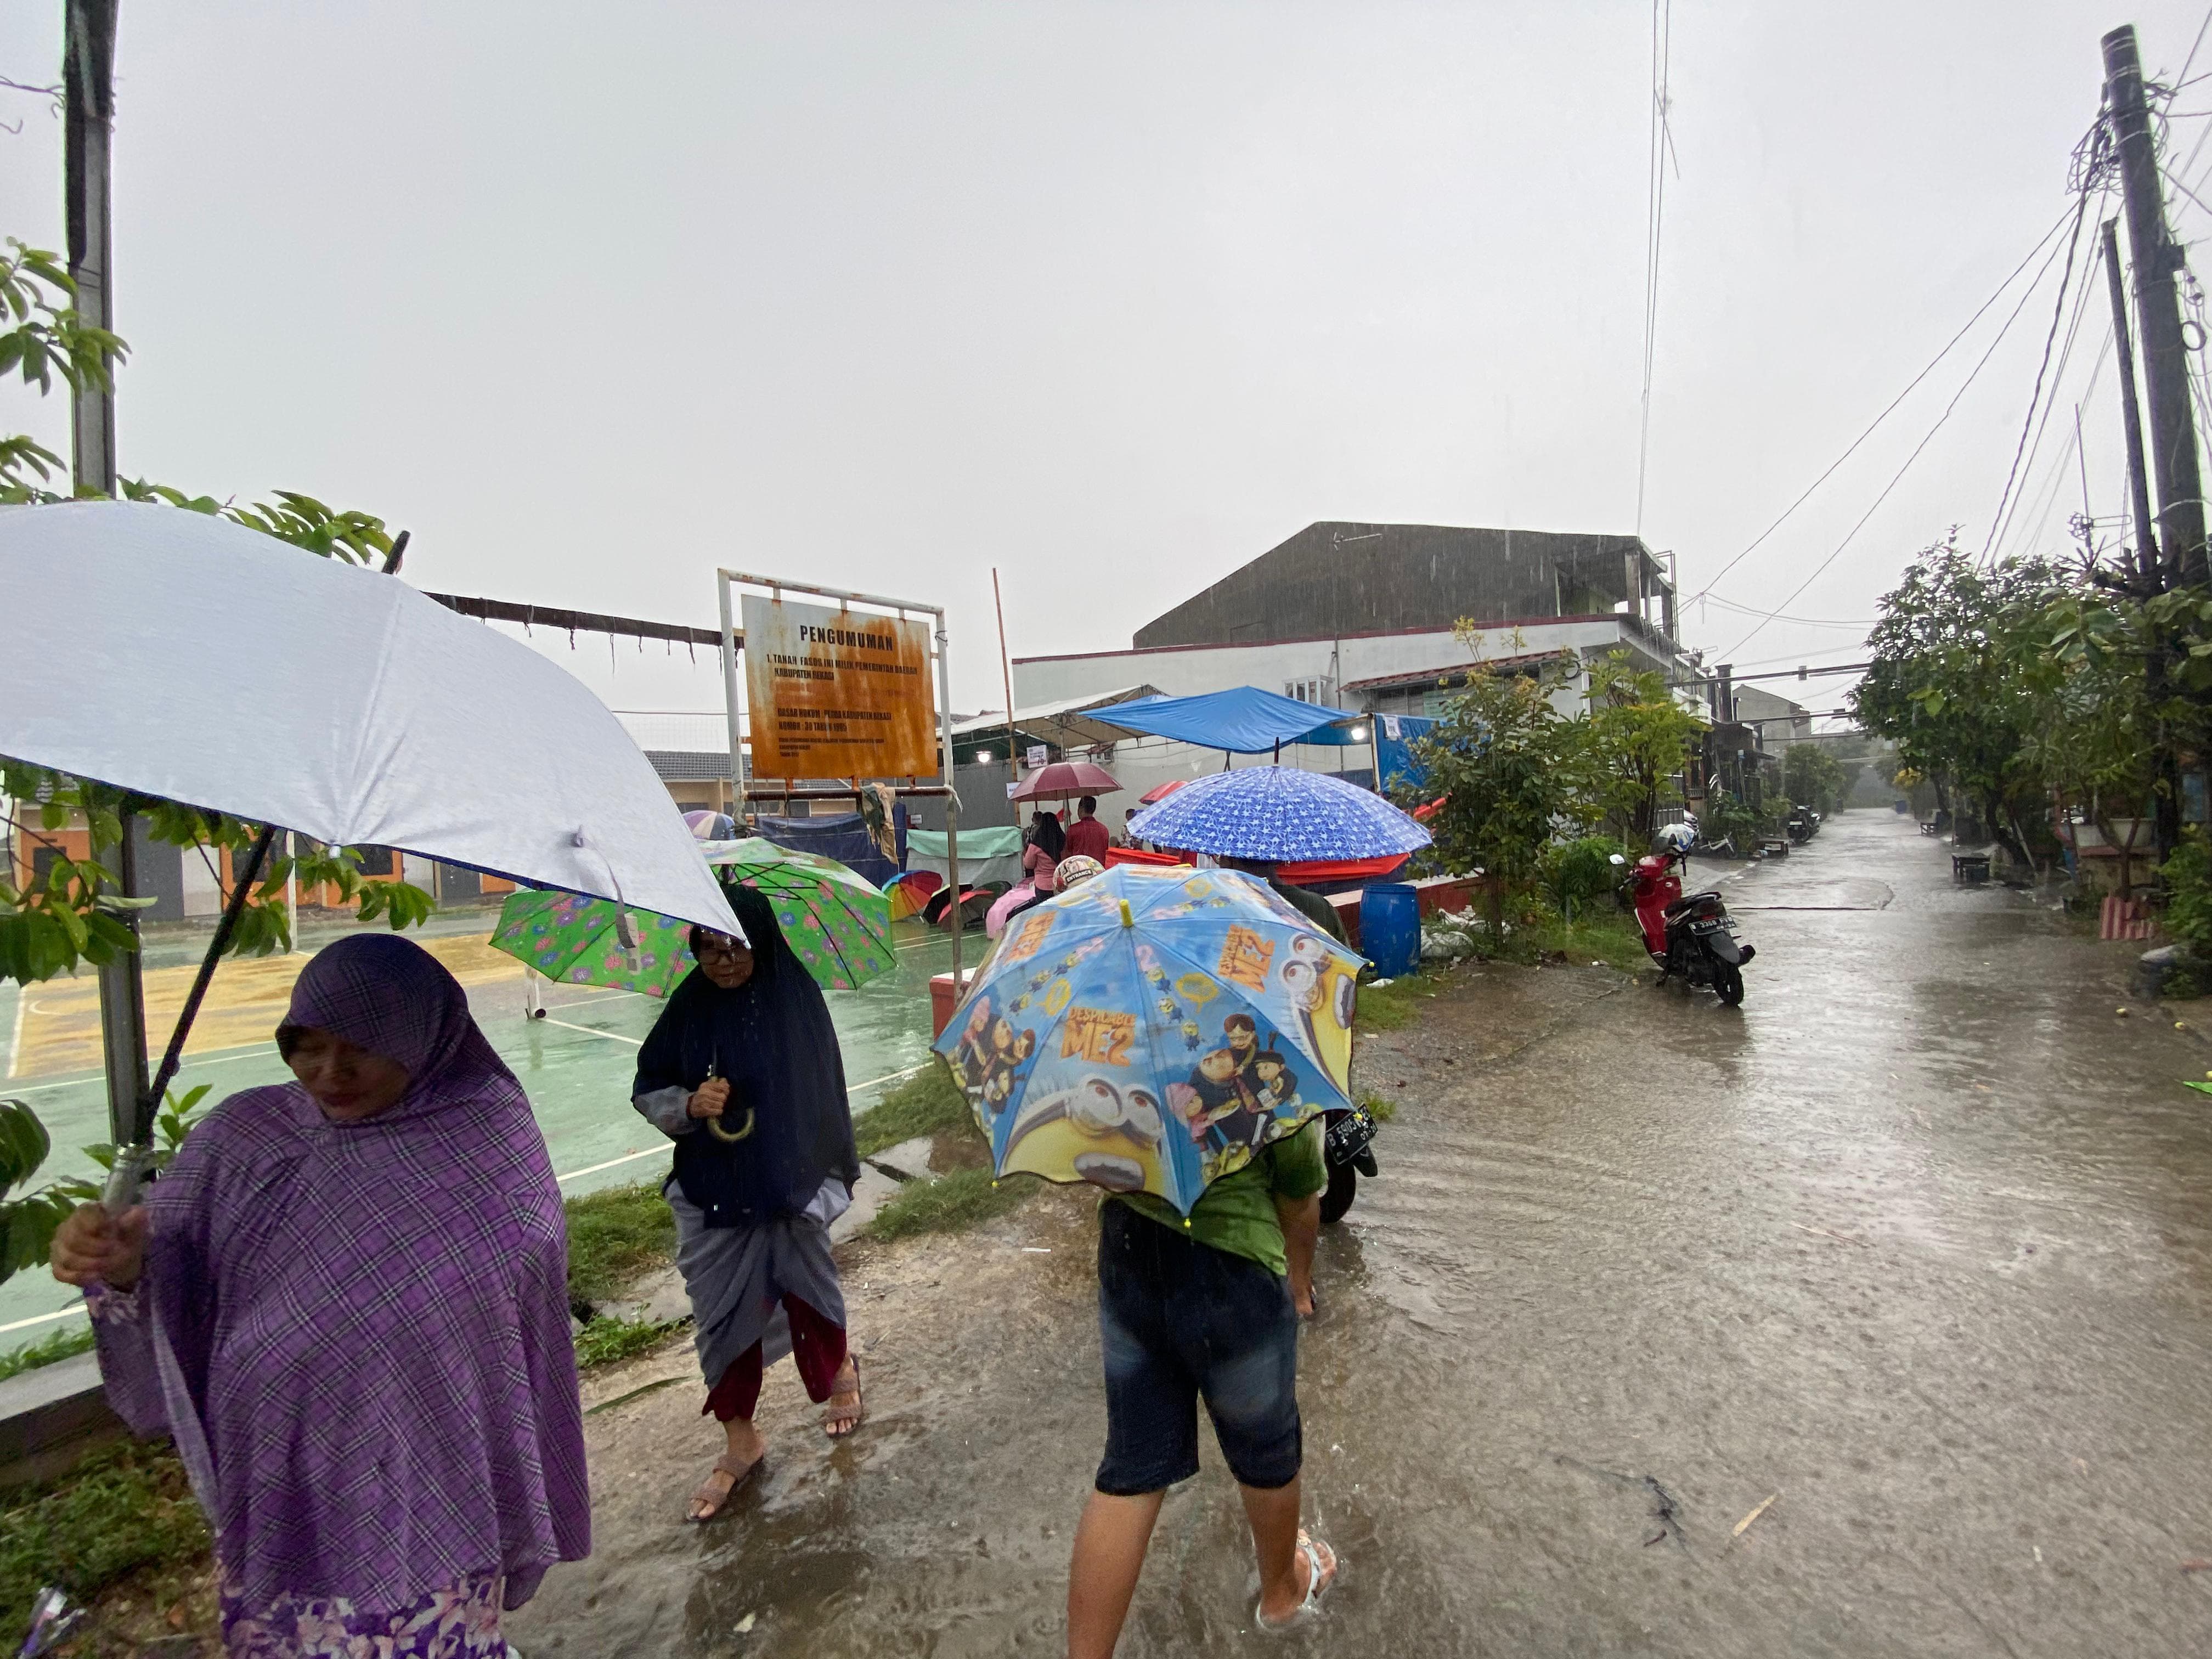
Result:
[[627, 1157], [654, 1151], [73, 1309], [190, 1061], [611, 1037]]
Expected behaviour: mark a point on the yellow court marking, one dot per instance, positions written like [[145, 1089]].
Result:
[[247, 999]]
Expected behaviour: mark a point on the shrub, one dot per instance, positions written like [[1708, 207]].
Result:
[[2189, 893]]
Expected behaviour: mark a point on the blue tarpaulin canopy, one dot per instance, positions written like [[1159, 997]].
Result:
[[1244, 720]]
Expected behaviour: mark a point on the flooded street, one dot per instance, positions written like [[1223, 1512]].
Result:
[[1918, 1244]]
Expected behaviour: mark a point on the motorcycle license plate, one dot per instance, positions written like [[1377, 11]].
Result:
[[1350, 1135]]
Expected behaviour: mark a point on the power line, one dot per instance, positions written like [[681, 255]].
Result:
[[1911, 385], [2035, 397], [1802, 621], [2000, 529], [2026, 294], [1663, 146]]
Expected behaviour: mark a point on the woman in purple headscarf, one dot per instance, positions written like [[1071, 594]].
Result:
[[346, 1299]]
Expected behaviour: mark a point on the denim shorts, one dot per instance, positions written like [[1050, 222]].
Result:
[[1179, 1321]]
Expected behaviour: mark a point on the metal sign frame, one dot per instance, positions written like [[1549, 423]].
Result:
[[733, 642]]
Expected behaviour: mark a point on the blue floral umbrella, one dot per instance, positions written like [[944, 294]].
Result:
[[1149, 1030], [1280, 814]]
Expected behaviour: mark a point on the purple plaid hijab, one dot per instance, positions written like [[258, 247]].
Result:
[[371, 1319]]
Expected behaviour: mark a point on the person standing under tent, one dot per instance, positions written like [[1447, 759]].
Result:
[[1086, 836], [346, 1301], [1042, 848], [743, 1071]]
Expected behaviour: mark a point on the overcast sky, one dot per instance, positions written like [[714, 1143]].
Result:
[[1112, 297]]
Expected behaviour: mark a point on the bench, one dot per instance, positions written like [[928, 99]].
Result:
[[1927, 827], [1971, 868], [1775, 847]]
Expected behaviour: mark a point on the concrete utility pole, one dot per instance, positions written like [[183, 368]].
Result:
[[89, 107], [2146, 560], [2173, 461]]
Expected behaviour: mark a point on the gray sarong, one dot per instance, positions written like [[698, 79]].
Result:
[[738, 1276]]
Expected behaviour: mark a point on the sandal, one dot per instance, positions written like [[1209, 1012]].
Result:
[[714, 1501], [1318, 1584], [839, 1421]]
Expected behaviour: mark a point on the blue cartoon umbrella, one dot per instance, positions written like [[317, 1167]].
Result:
[[1280, 814], [1150, 1030]]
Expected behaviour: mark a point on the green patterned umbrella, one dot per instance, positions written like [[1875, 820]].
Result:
[[836, 921]]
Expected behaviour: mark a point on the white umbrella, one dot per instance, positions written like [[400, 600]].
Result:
[[212, 664]]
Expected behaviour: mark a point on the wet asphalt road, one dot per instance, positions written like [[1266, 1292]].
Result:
[[1919, 1242]]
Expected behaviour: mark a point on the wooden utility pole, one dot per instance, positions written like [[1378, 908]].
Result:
[[2172, 449], [2146, 573], [88, 108]]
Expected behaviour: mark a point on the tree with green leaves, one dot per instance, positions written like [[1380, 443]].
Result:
[[75, 912], [1640, 737], [1812, 777], [1513, 770], [1947, 681], [2107, 726]]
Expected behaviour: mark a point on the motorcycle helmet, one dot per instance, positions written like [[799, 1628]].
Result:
[[1674, 838]]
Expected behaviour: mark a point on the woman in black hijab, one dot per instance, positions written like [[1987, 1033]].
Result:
[[743, 1071]]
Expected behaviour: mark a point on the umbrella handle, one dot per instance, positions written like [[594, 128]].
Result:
[[730, 1136]]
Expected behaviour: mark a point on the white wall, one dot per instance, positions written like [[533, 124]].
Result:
[[1141, 764], [1192, 671]]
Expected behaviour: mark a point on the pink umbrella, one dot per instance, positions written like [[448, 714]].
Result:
[[994, 919], [1160, 792], [1064, 779]]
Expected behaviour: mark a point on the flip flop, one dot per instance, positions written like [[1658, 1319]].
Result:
[[838, 1421], [738, 1474], [1318, 1585]]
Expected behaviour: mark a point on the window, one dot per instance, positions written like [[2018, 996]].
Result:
[[1316, 689]]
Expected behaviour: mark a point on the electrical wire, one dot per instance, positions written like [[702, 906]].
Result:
[[2035, 397], [1802, 621], [2000, 529], [1932, 364], [2026, 294], [1662, 148]]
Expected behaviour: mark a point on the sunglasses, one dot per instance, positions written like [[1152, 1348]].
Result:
[[724, 951]]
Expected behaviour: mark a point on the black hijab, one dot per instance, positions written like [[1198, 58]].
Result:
[[772, 1038]]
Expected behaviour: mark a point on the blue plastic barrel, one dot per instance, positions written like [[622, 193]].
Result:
[[1390, 927]]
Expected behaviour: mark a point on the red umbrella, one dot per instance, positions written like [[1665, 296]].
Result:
[[1064, 779], [1160, 792]]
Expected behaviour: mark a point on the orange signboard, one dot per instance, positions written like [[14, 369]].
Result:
[[837, 693]]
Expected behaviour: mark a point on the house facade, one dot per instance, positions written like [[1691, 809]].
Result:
[[1363, 619]]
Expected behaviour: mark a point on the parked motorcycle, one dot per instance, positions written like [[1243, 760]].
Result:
[[1348, 1147], [1691, 937], [1804, 824]]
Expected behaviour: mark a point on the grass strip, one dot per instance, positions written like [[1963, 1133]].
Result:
[[68, 1340], [929, 1102], [1386, 1006], [605, 1340], [948, 1204], [614, 1235], [124, 1507]]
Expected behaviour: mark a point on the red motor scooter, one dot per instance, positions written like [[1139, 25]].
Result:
[[1691, 938]]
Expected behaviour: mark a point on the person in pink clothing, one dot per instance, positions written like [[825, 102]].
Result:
[[1042, 852], [1086, 836]]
